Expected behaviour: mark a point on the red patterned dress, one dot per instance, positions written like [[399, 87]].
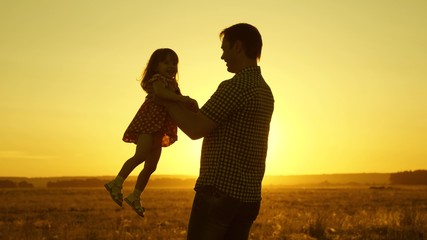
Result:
[[152, 117]]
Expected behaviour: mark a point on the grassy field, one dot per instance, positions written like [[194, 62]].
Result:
[[286, 213]]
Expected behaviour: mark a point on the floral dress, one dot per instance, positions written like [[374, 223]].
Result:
[[152, 117]]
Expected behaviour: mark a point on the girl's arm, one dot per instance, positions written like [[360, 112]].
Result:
[[161, 91]]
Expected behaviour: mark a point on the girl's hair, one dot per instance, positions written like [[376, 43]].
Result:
[[158, 56]]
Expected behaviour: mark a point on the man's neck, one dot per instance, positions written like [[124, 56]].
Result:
[[245, 63]]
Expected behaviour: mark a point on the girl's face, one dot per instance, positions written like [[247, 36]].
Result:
[[167, 68]]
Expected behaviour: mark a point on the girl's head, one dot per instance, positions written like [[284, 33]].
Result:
[[163, 61]]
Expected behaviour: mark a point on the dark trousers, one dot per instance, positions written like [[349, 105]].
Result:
[[216, 216]]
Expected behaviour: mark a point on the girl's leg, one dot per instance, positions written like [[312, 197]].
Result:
[[143, 148], [149, 167], [150, 163]]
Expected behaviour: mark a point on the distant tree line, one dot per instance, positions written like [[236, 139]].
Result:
[[95, 182], [418, 177], [12, 184], [89, 182]]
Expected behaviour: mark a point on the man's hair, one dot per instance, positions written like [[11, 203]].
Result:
[[248, 35]]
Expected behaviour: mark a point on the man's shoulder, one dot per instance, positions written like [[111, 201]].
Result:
[[226, 83]]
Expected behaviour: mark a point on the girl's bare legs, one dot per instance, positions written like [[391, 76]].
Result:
[[150, 165], [143, 147]]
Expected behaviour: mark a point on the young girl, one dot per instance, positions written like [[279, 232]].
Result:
[[151, 128]]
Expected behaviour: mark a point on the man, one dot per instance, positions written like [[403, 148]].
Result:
[[235, 123]]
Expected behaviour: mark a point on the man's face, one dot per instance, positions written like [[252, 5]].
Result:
[[228, 55]]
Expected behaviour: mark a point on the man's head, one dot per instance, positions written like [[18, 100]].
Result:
[[249, 37], [240, 42]]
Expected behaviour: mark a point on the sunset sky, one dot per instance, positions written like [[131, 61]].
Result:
[[349, 80]]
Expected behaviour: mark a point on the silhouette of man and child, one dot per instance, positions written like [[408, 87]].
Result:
[[234, 124]]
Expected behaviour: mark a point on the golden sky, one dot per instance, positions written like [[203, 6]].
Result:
[[349, 80]]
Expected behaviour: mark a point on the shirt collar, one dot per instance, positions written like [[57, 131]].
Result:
[[249, 69], [256, 69]]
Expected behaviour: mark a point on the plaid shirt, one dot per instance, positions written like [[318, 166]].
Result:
[[233, 154]]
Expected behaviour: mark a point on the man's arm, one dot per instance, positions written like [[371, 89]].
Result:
[[161, 91], [194, 124]]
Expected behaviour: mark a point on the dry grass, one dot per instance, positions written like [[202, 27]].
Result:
[[286, 213]]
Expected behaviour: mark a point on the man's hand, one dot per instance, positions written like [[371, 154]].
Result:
[[161, 101], [191, 104], [185, 101]]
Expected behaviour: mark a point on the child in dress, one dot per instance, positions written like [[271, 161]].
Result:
[[151, 128]]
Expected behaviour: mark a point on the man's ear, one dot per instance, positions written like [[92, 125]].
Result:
[[238, 46]]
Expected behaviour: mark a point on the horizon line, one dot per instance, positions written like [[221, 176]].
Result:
[[195, 176]]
